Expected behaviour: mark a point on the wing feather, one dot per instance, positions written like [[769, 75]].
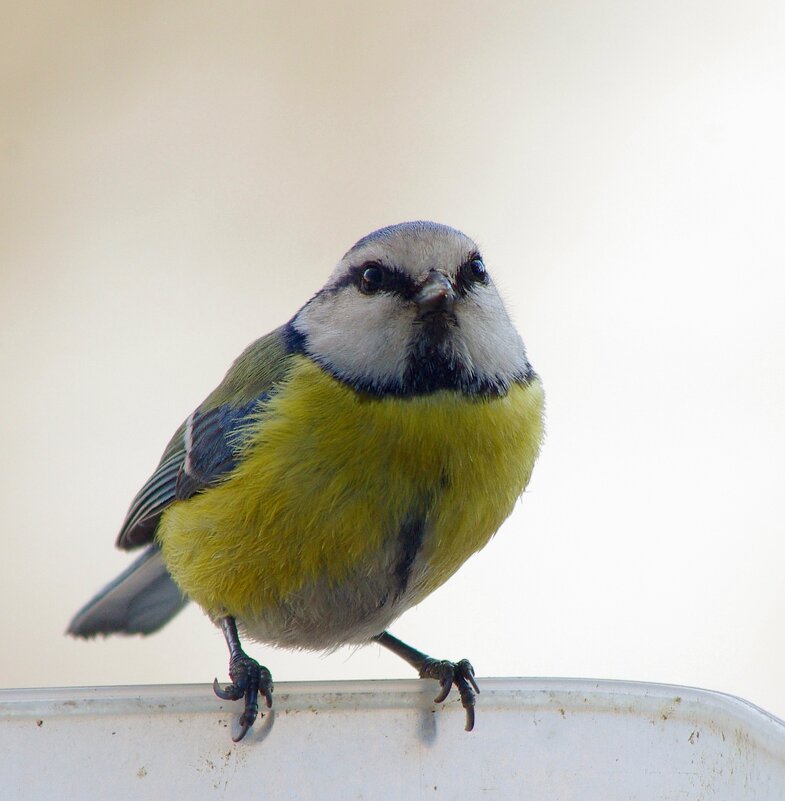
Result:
[[203, 449]]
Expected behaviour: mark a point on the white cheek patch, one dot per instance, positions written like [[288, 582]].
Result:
[[359, 337], [495, 350]]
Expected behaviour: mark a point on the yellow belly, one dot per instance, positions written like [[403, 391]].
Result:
[[328, 478]]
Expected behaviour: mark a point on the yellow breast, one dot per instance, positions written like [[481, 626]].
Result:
[[329, 477]]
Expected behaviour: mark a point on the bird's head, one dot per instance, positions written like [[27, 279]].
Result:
[[411, 309]]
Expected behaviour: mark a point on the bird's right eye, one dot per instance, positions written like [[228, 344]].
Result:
[[371, 279]]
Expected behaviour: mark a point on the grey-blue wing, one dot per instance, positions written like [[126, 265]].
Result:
[[201, 453], [204, 448]]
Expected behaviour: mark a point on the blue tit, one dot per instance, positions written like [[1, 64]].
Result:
[[346, 466]]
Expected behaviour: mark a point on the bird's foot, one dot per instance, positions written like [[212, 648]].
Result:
[[249, 680], [447, 673]]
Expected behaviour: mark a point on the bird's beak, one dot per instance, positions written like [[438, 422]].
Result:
[[436, 295]]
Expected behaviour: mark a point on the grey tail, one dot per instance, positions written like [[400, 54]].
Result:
[[139, 601]]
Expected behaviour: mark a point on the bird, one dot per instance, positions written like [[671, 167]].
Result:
[[346, 466]]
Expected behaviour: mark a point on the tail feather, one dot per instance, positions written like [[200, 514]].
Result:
[[139, 601]]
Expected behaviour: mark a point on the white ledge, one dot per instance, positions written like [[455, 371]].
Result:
[[539, 739]]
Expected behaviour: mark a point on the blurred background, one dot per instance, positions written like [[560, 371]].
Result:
[[177, 178]]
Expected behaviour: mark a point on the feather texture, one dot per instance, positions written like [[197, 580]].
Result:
[[202, 451], [344, 510], [139, 601]]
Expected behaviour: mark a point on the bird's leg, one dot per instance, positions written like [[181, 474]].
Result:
[[249, 678], [461, 674]]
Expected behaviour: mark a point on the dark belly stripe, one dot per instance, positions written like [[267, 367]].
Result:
[[410, 540]]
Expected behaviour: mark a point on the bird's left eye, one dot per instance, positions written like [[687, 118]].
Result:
[[372, 279], [477, 268]]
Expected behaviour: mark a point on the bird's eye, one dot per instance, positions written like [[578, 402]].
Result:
[[372, 279], [477, 270]]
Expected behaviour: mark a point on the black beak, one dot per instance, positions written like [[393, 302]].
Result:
[[436, 295]]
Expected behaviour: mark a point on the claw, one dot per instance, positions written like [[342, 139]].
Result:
[[467, 687], [228, 694], [244, 727], [249, 680], [461, 674], [247, 718], [446, 685], [266, 690], [469, 717]]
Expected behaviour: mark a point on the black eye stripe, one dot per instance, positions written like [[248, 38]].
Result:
[[397, 282], [393, 281]]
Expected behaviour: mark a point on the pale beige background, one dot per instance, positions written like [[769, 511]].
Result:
[[177, 178]]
